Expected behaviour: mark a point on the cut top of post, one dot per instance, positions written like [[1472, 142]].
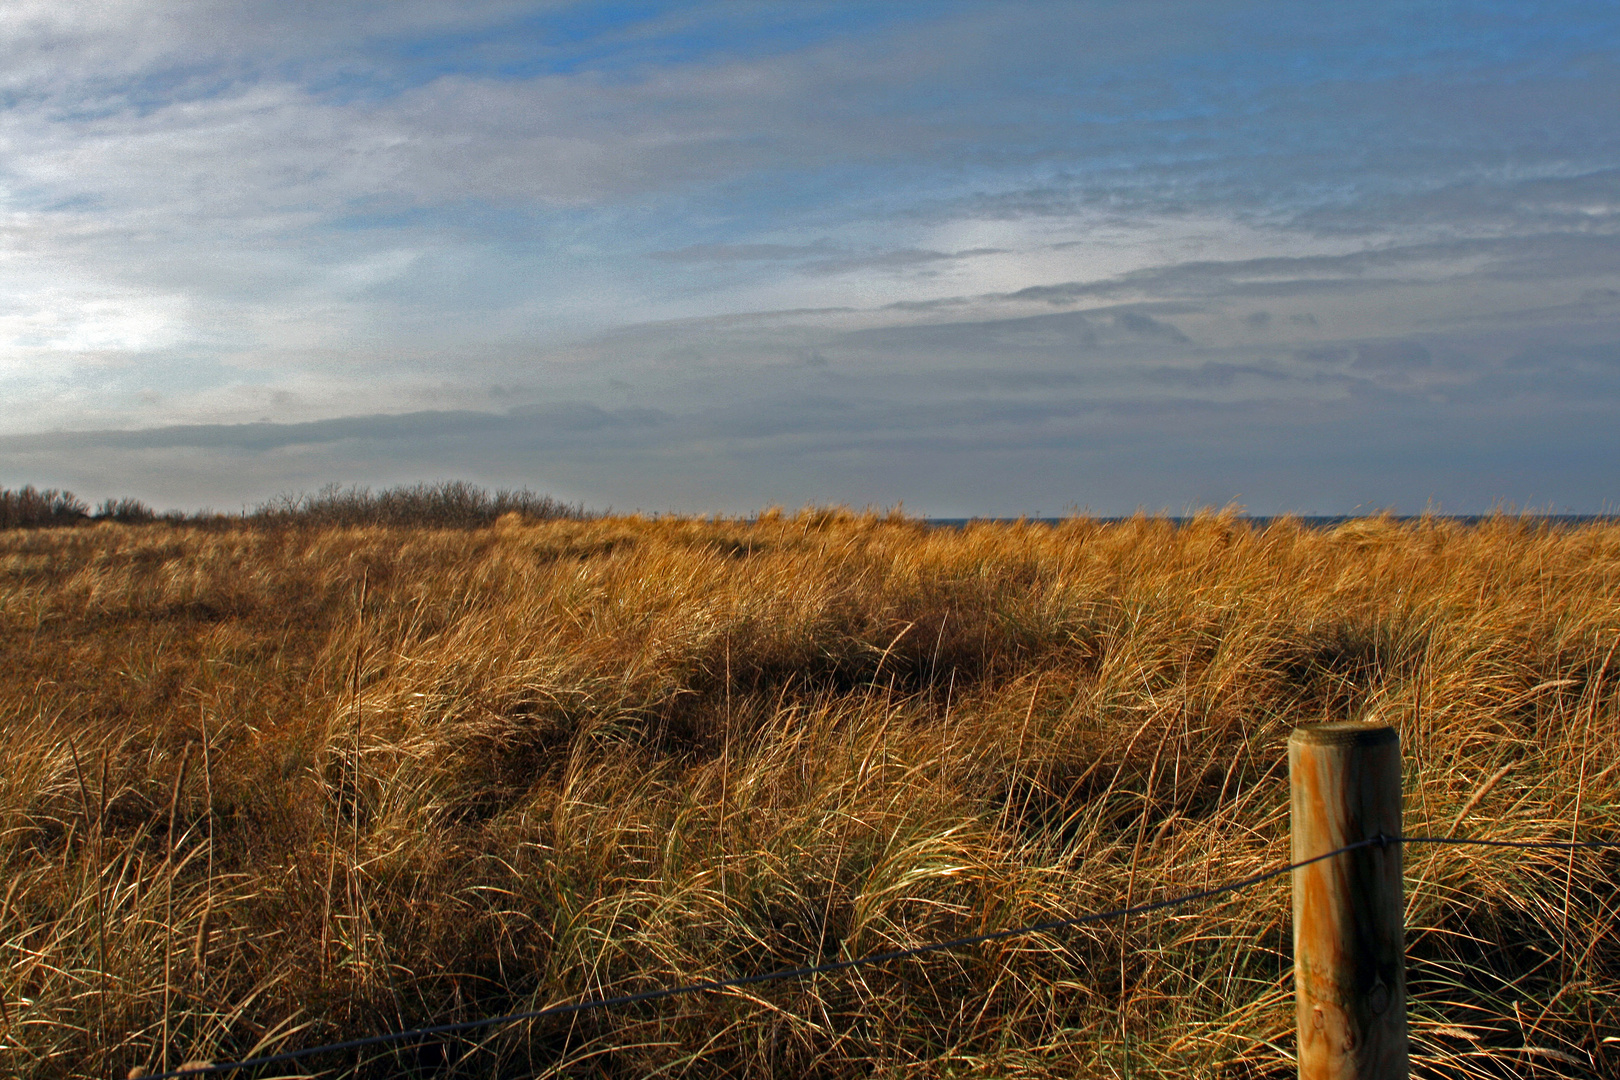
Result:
[[1346, 733]]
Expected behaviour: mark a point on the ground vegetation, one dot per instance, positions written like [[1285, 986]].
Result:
[[267, 783]]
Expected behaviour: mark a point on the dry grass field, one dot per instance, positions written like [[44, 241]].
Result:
[[264, 785]]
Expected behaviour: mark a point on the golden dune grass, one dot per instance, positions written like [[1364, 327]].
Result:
[[261, 788]]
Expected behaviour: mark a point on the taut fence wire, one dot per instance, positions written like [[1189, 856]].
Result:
[[707, 985], [1557, 845]]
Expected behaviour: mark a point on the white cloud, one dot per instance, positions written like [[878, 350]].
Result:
[[88, 321]]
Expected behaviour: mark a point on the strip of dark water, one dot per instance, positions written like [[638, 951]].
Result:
[[1309, 521]]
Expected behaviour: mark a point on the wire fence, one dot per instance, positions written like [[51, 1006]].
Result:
[[710, 985]]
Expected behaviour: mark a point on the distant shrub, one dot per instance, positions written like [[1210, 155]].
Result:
[[30, 508], [451, 504], [130, 512]]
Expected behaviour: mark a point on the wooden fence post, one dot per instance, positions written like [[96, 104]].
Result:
[[1349, 947]]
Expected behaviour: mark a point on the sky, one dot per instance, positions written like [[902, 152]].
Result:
[[966, 258]]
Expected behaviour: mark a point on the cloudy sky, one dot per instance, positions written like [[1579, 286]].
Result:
[[978, 258]]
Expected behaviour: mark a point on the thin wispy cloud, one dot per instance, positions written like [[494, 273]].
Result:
[[982, 258]]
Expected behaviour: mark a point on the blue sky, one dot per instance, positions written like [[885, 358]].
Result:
[[978, 258]]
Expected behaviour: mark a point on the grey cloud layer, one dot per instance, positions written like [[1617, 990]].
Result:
[[1166, 404]]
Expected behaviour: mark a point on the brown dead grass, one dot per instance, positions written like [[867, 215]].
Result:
[[265, 788]]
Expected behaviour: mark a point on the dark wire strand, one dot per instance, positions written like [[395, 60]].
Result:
[[1381, 841], [1557, 845]]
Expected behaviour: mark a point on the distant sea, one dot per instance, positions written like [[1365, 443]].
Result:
[[1310, 521]]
